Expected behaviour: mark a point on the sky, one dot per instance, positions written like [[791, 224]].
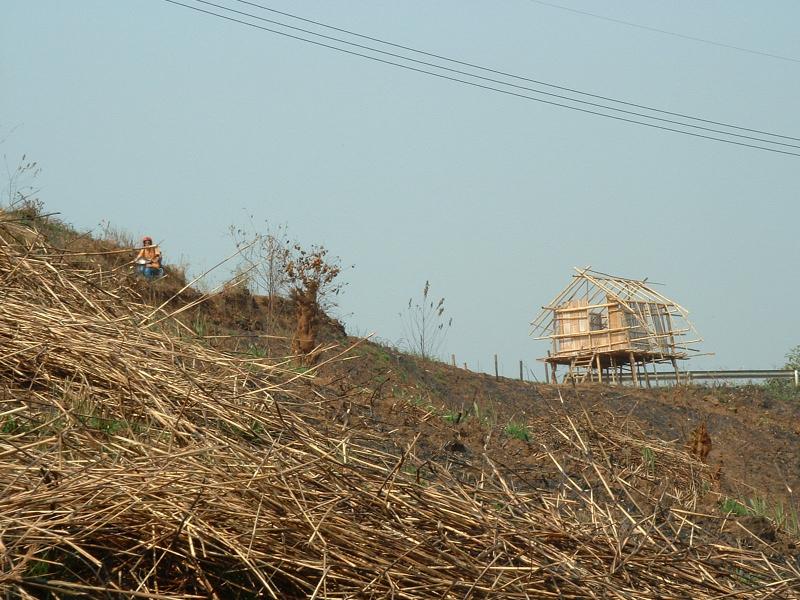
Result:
[[168, 122]]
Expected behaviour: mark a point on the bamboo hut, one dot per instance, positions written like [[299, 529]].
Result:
[[609, 328]]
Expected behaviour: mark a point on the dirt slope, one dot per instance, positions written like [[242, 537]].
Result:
[[143, 457], [755, 433], [755, 436]]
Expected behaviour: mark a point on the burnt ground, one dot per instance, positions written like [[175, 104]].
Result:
[[754, 430]]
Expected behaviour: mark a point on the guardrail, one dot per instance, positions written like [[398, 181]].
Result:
[[742, 374]]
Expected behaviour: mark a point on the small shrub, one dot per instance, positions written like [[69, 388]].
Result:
[[108, 426], [256, 351], [10, 425], [117, 236], [782, 390], [452, 417], [649, 459], [791, 520], [786, 519], [486, 415], [518, 431], [425, 325], [758, 507], [729, 505], [420, 402], [200, 325], [38, 569]]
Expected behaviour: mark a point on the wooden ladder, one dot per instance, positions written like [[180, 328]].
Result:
[[579, 368]]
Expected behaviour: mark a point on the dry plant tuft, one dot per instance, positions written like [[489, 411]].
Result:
[[699, 444], [312, 281], [135, 464]]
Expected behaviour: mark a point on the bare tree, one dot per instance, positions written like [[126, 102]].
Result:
[[265, 255], [425, 325]]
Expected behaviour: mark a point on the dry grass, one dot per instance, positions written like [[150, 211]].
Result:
[[135, 464]]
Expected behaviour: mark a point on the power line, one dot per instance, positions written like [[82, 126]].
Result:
[[666, 32], [482, 86], [503, 73], [489, 79]]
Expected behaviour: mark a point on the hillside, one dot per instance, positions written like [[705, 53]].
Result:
[[754, 430], [144, 455]]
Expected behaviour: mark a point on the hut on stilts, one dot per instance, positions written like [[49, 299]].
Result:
[[612, 329]]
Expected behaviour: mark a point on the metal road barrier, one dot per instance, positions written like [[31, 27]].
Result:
[[743, 374]]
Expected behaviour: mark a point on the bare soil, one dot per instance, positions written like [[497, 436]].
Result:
[[753, 444]]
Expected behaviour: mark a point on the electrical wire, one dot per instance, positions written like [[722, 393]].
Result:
[[506, 74], [482, 86], [492, 80], [666, 32]]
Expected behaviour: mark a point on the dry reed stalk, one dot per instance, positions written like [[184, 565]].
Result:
[[134, 463]]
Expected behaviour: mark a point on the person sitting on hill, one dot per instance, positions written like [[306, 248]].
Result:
[[148, 261]]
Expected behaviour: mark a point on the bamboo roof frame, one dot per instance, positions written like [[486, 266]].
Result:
[[602, 291]]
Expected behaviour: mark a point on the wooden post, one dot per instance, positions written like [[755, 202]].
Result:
[[465, 367], [599, 370], [553, 376], [646, 374], [613, 369], [634, 374], [796, 378], [521, 378], [496, 373], [453, 356], [677, 375], [547, 370]]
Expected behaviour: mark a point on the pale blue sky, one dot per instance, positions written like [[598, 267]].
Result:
[[138, 108]]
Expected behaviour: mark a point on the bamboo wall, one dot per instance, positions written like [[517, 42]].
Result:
[[581, 328]]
